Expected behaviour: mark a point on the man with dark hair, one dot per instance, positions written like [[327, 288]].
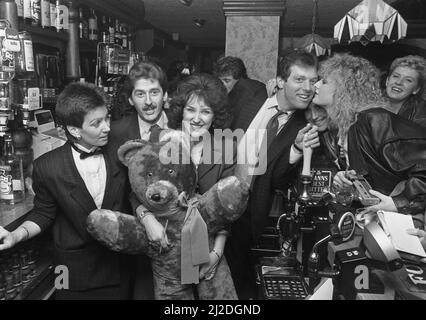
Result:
[[245, 95], [147, 91], [69, 183], [282, 117]]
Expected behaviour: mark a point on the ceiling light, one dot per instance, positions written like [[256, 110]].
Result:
[[186, 2], [199, 22]]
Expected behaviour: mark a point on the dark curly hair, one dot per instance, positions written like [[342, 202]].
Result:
[[211, 90]]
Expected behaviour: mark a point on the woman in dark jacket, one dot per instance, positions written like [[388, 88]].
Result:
[[405, 88], [70, 182], [388, 150]]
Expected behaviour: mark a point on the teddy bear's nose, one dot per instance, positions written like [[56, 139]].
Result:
[[156, 197]]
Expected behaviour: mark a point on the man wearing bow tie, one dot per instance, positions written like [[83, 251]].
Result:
[[282, 118], [70, 182]]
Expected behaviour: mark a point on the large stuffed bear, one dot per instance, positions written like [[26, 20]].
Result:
[[168, 191]]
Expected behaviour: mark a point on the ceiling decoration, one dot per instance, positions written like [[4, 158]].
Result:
[[371, 20]]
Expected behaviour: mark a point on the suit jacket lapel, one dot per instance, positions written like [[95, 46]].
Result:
[[134, 131], [113, 185], [209, 164], [280, 142], [78, 189]]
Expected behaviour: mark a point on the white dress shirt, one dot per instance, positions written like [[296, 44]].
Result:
[[93, 172], [145, 127]]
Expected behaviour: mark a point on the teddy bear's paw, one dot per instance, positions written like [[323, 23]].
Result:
[[103, 225], [233, 193]]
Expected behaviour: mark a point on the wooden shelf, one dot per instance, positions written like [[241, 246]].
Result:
[[46, 37]]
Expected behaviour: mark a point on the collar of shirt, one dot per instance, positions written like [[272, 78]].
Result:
[[282, 118], [84, 149], [144, 127]]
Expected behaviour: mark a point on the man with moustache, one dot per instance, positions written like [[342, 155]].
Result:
[[147, 93]]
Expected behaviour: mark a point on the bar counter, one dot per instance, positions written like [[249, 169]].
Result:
[[11, 213]]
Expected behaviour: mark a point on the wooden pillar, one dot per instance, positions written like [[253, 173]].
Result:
[[252, 34]]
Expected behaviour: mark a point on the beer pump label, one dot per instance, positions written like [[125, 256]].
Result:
[[9, 45], [6, 187], [321, 181]]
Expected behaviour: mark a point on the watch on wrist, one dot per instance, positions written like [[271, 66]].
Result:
[[144, 214]]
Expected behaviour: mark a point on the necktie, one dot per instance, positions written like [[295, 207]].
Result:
[[272, 126], [155, 133], [84, 154]]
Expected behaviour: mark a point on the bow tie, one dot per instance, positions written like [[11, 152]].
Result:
[[84, 154]]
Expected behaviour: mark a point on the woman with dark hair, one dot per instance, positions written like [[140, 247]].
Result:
[[70, 182], [199, 106]]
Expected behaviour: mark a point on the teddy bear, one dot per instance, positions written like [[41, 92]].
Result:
[[167, 189]]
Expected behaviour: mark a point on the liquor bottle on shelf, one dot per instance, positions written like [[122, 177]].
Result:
[[27, 11], [25, 67], [12, 187], [53, 15], [35, 6], [111, 30], [105, 30], [93, 26], [20, 9], [45, 14], [62, 22], [83, 26]]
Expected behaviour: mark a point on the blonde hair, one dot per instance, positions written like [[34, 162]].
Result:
[[357, 88], [416, 63]]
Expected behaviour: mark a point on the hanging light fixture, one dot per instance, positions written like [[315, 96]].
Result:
[[371, 20], [313, 42], [186, 2]]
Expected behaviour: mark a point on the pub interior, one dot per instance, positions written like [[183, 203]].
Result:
[[350, 77]]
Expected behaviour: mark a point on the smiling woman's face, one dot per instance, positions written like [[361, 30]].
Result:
[[198, 114], [317, 116]]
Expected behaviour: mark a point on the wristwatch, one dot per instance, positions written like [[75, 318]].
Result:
[[144, 214]]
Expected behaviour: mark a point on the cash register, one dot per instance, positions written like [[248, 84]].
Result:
[[47, 137]]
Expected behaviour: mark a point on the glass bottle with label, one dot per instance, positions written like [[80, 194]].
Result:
[[35, 12], [12, 187], [45, 14], [83, 26], [26, 56], [27, 11], [20, 9], [93, 26], [53, 15]]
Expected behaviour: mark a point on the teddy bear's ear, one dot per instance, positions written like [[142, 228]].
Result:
[[128, 150]]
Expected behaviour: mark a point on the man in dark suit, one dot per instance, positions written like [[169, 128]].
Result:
[[70, 182], [297, 73], [147, 92], [245, 95]]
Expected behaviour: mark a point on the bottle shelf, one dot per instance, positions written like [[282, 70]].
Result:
[[34, 30]]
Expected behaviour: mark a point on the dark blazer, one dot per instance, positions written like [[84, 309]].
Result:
[[389, 149], [124, 129], [63, 201], [245, 100], [277, 175], [414, 109], [210, 173]]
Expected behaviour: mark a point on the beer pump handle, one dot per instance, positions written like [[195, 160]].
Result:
[[307, 157]]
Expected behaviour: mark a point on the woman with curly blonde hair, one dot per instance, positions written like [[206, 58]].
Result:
[[406, 88], [387, 149]]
